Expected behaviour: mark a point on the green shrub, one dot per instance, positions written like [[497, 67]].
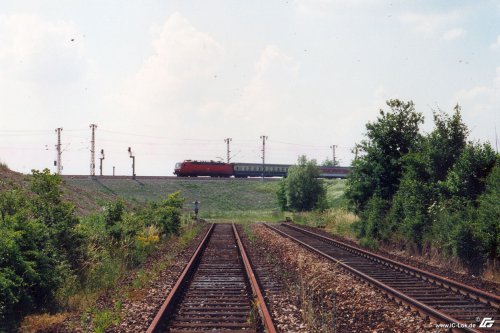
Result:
[[301, 190], [488, 215], [373, 219], [166, 214], [47, 253], [30, 271], [470, 247]]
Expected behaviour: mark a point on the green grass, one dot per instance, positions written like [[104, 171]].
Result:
[[228, 200], [214, 195], [335, 193]]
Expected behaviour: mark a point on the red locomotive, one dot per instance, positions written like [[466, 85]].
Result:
[[190, 168]]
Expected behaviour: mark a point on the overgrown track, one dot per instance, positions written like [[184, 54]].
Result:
[[217, 290], [443, 300]]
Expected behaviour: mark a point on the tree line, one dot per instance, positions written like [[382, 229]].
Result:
[[434, 190]]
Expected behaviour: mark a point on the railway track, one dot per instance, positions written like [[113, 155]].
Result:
[[464, 308], [217, 291]]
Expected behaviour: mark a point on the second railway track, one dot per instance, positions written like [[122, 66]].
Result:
[[462, 307], [217, 291]]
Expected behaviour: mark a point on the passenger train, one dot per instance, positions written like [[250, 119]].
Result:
[[191, 168]]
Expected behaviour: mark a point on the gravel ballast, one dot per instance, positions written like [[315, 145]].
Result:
[[352, 306]]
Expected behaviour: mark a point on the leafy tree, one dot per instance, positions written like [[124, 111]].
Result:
[[378, 171], [445, 143], [302, 190], [467, 177]]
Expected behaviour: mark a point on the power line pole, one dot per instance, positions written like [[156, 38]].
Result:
[[92, 150], [58, 148], [333, 149], [133, 161], [228, 151], [100, 162], [496, 139], [264, 138]]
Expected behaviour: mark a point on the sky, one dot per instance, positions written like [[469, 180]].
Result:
[[173, 79]]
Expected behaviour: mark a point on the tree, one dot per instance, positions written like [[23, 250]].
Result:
[[445, 143], [302, 190], [467, 177], [379, 170]]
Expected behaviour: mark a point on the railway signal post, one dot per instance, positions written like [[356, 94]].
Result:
[[133, 161], [196, 208], [100, 162]]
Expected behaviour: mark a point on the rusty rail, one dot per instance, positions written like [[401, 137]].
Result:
[[216, 290], [168, 306], [264, 312]]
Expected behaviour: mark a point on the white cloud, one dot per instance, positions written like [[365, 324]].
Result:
[[182, 91], [454, 34], [480, 107], [43, 70], [42, 85], [177, 80], [496, 44], [429, 24], [269, 93], [36, 50]]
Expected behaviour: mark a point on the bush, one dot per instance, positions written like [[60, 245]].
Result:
[[30, 271], [47, 253], [373, 219], [470, 247], [166, 214], [488, 215], [302, 190]]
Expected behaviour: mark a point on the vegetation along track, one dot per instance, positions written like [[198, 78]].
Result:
[[445, 301], [217, 291]]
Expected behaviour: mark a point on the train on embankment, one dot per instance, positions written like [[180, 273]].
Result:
[[190, 168]]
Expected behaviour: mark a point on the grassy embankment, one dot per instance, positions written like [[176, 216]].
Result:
[[230, 200]]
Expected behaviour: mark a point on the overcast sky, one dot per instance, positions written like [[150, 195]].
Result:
[[173, 79]]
